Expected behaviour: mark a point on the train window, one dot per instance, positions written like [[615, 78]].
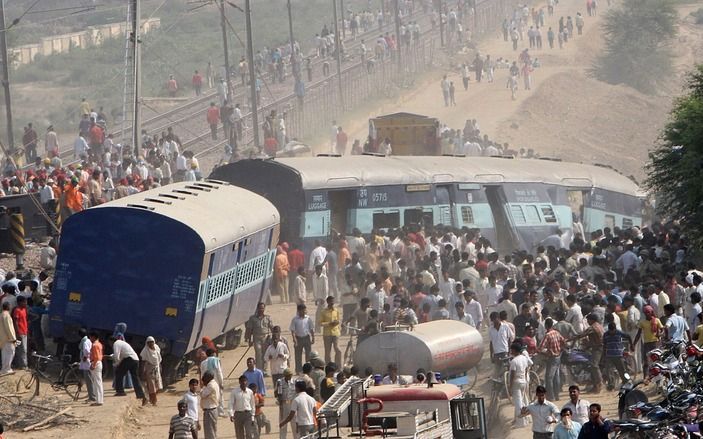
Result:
[[518, 214], [412, 216], [467, 214], [531, 214], [627, 223], [386, 220], [548, 214]]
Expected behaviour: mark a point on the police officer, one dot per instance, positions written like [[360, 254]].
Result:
[[258, 332]]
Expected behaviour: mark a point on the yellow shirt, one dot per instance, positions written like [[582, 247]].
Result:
[[647, 335], [327, 316]]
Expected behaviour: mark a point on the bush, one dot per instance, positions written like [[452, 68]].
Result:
[[698, 16], [637, 37]]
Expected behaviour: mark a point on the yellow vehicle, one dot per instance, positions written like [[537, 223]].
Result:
[[409, 134]]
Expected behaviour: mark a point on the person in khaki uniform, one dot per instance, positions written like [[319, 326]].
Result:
[[258, 332]]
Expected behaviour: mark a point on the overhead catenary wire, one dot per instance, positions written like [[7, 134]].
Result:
[[55, 19]]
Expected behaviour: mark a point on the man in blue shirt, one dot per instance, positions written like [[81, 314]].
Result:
[[676, 328], [613, 351], [255, 376], [597, 427]]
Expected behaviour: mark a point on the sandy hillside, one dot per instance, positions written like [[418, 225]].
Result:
[[567, 114]]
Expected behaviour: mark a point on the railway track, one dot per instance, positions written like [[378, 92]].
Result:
[[189, 119]]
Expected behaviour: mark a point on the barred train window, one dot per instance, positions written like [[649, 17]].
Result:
[[467, 214], [548, 214]]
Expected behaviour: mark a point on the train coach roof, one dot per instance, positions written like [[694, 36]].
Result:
[[217, 211], [353, 171]]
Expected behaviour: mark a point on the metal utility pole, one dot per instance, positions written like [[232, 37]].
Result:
[[338, 47], [341, 9], [136, 76], [290, 34], [228, 73], [252, 76], [441, 23], [6, 79], [398, 37]]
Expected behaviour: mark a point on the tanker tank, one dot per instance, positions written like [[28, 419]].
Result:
[[446, 346]]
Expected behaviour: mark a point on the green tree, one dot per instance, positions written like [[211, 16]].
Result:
[[637, 44], [675, 168]]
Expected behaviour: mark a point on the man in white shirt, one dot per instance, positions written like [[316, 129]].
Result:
[[303, 410], [470, 273], [447, 287], [462, 316], [277, 355], [181, 167], [519, 366], [80, 147], [47, 256], [578, 406], [212, 364], [493, 292], [377, 297], [126, 360], [46, 194], [317, 256], [544, 414], [192, 399], [242, 406], [473, 308], [499, 334], [574, 314]]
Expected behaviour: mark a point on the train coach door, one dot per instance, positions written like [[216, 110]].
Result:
[[340, 204], [506, 233], [445, 203]]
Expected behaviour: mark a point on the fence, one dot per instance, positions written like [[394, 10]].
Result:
[[314, 113]]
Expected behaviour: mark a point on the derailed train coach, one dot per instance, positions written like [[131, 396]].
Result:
[[515, 203], [178, 263]]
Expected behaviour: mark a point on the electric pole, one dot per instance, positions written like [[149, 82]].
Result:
[[441, 23], [338, 49], [293, 58], [228, 73], [136, 77], [398, 37], [6, 79], [252, 76], [341, 9]]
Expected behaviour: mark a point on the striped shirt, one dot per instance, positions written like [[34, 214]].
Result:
[[182, 427], [552, 343]]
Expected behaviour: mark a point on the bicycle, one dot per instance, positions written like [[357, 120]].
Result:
[[349, 350], [70, 378], [498, 387]]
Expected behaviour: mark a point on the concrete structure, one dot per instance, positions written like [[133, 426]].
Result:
[[92, 35]]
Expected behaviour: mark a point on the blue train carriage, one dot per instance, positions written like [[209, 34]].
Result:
[[514, 203], [179, 262]]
